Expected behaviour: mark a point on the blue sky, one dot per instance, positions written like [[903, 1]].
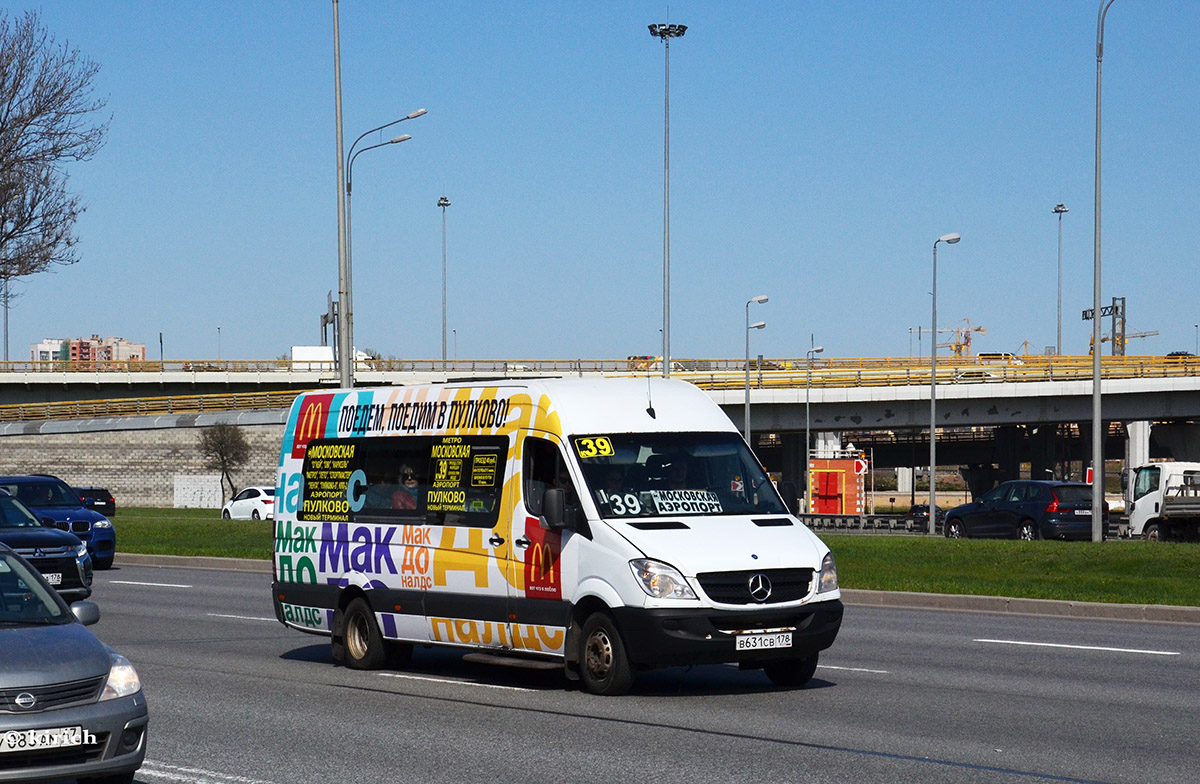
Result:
[[817, 151]]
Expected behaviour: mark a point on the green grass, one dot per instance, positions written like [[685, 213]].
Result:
[[191, 532], [1123, 572]]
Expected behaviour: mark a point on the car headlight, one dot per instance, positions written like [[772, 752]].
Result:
[[828, 580], [660, 580], [102, 523], [122, 679]]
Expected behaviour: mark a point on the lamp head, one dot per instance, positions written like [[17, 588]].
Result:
[[949, 239], [415, 114], [758, 325], [443, 202], [402, 138], [1059, 209], [816, 350], [761, 298]]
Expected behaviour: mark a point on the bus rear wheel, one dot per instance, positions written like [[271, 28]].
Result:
[[362, 642]]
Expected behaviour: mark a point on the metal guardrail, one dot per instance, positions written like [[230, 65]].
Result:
[[709, 374], [851, 371], [146, 406]]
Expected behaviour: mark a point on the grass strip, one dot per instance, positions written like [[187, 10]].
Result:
[[1120, 572]]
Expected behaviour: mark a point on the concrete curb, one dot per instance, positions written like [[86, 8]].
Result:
[[1158, 613]]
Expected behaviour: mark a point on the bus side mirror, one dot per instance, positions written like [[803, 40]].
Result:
[[554, 509]]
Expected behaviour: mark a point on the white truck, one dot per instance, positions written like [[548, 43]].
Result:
[[1162, 501]]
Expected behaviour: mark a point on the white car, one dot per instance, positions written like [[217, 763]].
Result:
[[253, 503]]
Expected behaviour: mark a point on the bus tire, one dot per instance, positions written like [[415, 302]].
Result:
[[603, 664], [791, 673], [362, 641]]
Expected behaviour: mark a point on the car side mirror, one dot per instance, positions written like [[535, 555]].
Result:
[[554, 509], [86, 613], [50, 522]]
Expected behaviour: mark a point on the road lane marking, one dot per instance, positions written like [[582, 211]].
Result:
[[852, 669], [450, 680], [151, 585], [239, 617], [161, 770], [1083, 647]]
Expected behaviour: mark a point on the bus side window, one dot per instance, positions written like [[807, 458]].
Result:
[[539, 471]]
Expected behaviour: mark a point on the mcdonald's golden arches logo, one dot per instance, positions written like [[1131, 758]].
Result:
[[310, 423]]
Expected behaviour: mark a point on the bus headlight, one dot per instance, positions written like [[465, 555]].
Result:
[[660, 581], [828, 580]]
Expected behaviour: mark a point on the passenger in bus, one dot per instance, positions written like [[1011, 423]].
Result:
[[406, 496]]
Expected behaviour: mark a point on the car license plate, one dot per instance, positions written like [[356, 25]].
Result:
[[31, 740], [54, 578], [1083, 512], [760, 642]]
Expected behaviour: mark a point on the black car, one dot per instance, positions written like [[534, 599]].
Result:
[[61, 557], [99, 499], [1026, 509], [918, 517]]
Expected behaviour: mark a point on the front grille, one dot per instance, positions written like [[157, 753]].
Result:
[[58, 695], [73, 755], [80, 526], [787, 585]]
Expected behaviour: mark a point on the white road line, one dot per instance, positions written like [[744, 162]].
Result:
[[1082, 647], [240, 617], [852, 669], [450, 680], [161, 770], [152, 585]]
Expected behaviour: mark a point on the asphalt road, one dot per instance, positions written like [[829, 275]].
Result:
[[904, 695]]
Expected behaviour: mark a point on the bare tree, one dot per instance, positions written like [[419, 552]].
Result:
[[225, 449], [46, 108]]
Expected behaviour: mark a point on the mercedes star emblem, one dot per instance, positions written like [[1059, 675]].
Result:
[[760, 587]]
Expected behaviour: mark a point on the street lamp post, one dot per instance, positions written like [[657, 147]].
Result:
[[949, 239], [666, 32], [807, 447], [1097, 433], [1059, 210], [758, 325], [345, 333], [443, 203]]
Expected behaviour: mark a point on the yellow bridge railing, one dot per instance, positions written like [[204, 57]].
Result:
[[704, 373]]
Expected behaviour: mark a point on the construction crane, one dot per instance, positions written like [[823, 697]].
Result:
[[961, 345], [1130, 335]]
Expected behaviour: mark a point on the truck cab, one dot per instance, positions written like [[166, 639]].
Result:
[[1162, 500]]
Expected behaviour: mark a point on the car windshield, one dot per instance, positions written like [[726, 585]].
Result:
[[39, 494], [13, 514], [25, 600], [673, 474]]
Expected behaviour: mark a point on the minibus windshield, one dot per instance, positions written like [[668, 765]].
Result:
[[673, 474]]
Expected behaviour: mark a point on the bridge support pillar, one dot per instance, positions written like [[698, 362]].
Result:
[[981, 478], [1137, 444], [792, 469], [1043, 447], [1007, 445]]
